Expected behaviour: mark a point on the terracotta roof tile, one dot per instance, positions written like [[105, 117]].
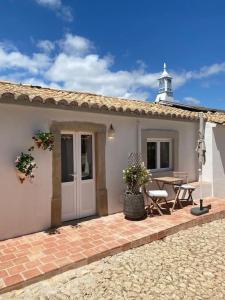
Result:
[[20, 93]]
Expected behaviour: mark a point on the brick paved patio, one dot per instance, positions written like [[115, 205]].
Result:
[[30, 258]]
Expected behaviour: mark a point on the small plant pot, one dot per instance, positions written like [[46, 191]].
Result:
[[134, 206], [21, 176], [38, 143]]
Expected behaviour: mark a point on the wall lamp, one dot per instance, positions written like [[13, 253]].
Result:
[[111, 132]]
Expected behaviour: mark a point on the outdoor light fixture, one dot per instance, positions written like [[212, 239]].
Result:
[[111, 132]]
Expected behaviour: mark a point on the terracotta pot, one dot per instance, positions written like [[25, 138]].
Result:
[[21, 176], [38, 143], [134, 206]]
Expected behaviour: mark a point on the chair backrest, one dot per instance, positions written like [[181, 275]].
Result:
[[181, 175]]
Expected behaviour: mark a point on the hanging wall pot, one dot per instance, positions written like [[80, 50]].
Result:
[[44, 140], [25, 165]]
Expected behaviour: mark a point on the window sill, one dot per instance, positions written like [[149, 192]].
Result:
[[161, 170], [162, 173]]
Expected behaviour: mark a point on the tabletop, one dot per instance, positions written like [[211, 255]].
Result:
[[168, 180]]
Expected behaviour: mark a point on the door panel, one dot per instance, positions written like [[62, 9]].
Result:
[[67, 152], [86, 157], [69, 209], [87, 202], [68, 204]]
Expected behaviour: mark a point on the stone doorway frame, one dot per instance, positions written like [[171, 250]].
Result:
[[99, 131]]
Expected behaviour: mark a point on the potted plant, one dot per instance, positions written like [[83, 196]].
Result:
[[25, 165], [135, 176], [44, 140]]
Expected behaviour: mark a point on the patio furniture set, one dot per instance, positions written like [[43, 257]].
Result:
[[155, 199]]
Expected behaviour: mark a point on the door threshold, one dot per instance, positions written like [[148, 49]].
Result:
[[72, 223], [76, 222]]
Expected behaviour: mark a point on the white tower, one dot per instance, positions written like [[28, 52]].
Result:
[[165, 87]]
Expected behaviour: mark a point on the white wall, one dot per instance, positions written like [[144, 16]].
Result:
[[214, 168], [26, 207], [207, 170], [218, 158], [187, 136]]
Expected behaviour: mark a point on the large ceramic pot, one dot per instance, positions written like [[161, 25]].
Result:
[[134, 206]]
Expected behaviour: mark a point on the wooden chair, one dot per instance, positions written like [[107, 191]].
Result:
[[183, 191], [154, 198]]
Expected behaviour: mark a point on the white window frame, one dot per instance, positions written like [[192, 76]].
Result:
[[158, 141]]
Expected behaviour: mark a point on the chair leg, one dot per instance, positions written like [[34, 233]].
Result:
[[150, 209], [167, 205], [156, 205], [152, 205], [184, 195], [176, 200], [190, 197]]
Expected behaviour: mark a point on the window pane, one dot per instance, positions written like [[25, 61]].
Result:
[[151, 155], [161, 85], [67, 157], [164, 155], [86, 157]]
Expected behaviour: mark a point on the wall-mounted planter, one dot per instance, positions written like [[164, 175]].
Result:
[[44, 140], [21, 176], [25, 164]]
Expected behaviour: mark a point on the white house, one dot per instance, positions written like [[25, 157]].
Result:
[[82, 176]]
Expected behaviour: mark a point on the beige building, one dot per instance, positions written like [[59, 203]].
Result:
[[94, 135]]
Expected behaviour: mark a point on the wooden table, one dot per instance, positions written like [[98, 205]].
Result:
[[162, 181], [172, 181]]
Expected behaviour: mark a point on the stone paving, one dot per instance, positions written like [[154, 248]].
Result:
[[31, 258], [187, 265]]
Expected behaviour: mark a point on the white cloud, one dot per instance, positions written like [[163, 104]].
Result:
[[191, 100], [92, 73], [74, 66], [75, 45], [61, 10], [50, 3], [46, 46], [180, 79], [13, 60], [209, 70], [72, 63]]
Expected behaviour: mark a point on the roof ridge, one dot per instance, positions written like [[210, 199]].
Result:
[[70, 91], [19, 93]]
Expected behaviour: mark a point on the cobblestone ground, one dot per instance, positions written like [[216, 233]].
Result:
[[186, 265]]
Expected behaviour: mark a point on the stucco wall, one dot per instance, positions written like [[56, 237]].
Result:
[[187, 135], [218, 157], [26, 207], [207, 170], [214, 168]]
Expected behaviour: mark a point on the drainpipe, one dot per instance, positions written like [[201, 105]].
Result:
[[138, 124]]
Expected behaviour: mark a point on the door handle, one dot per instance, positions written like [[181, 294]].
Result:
[[74, 175]]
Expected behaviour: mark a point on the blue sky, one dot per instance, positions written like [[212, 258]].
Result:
[[116, 47]]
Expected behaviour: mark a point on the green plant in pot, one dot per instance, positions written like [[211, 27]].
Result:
[[44, 140], [25, 164], [135, 177]]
